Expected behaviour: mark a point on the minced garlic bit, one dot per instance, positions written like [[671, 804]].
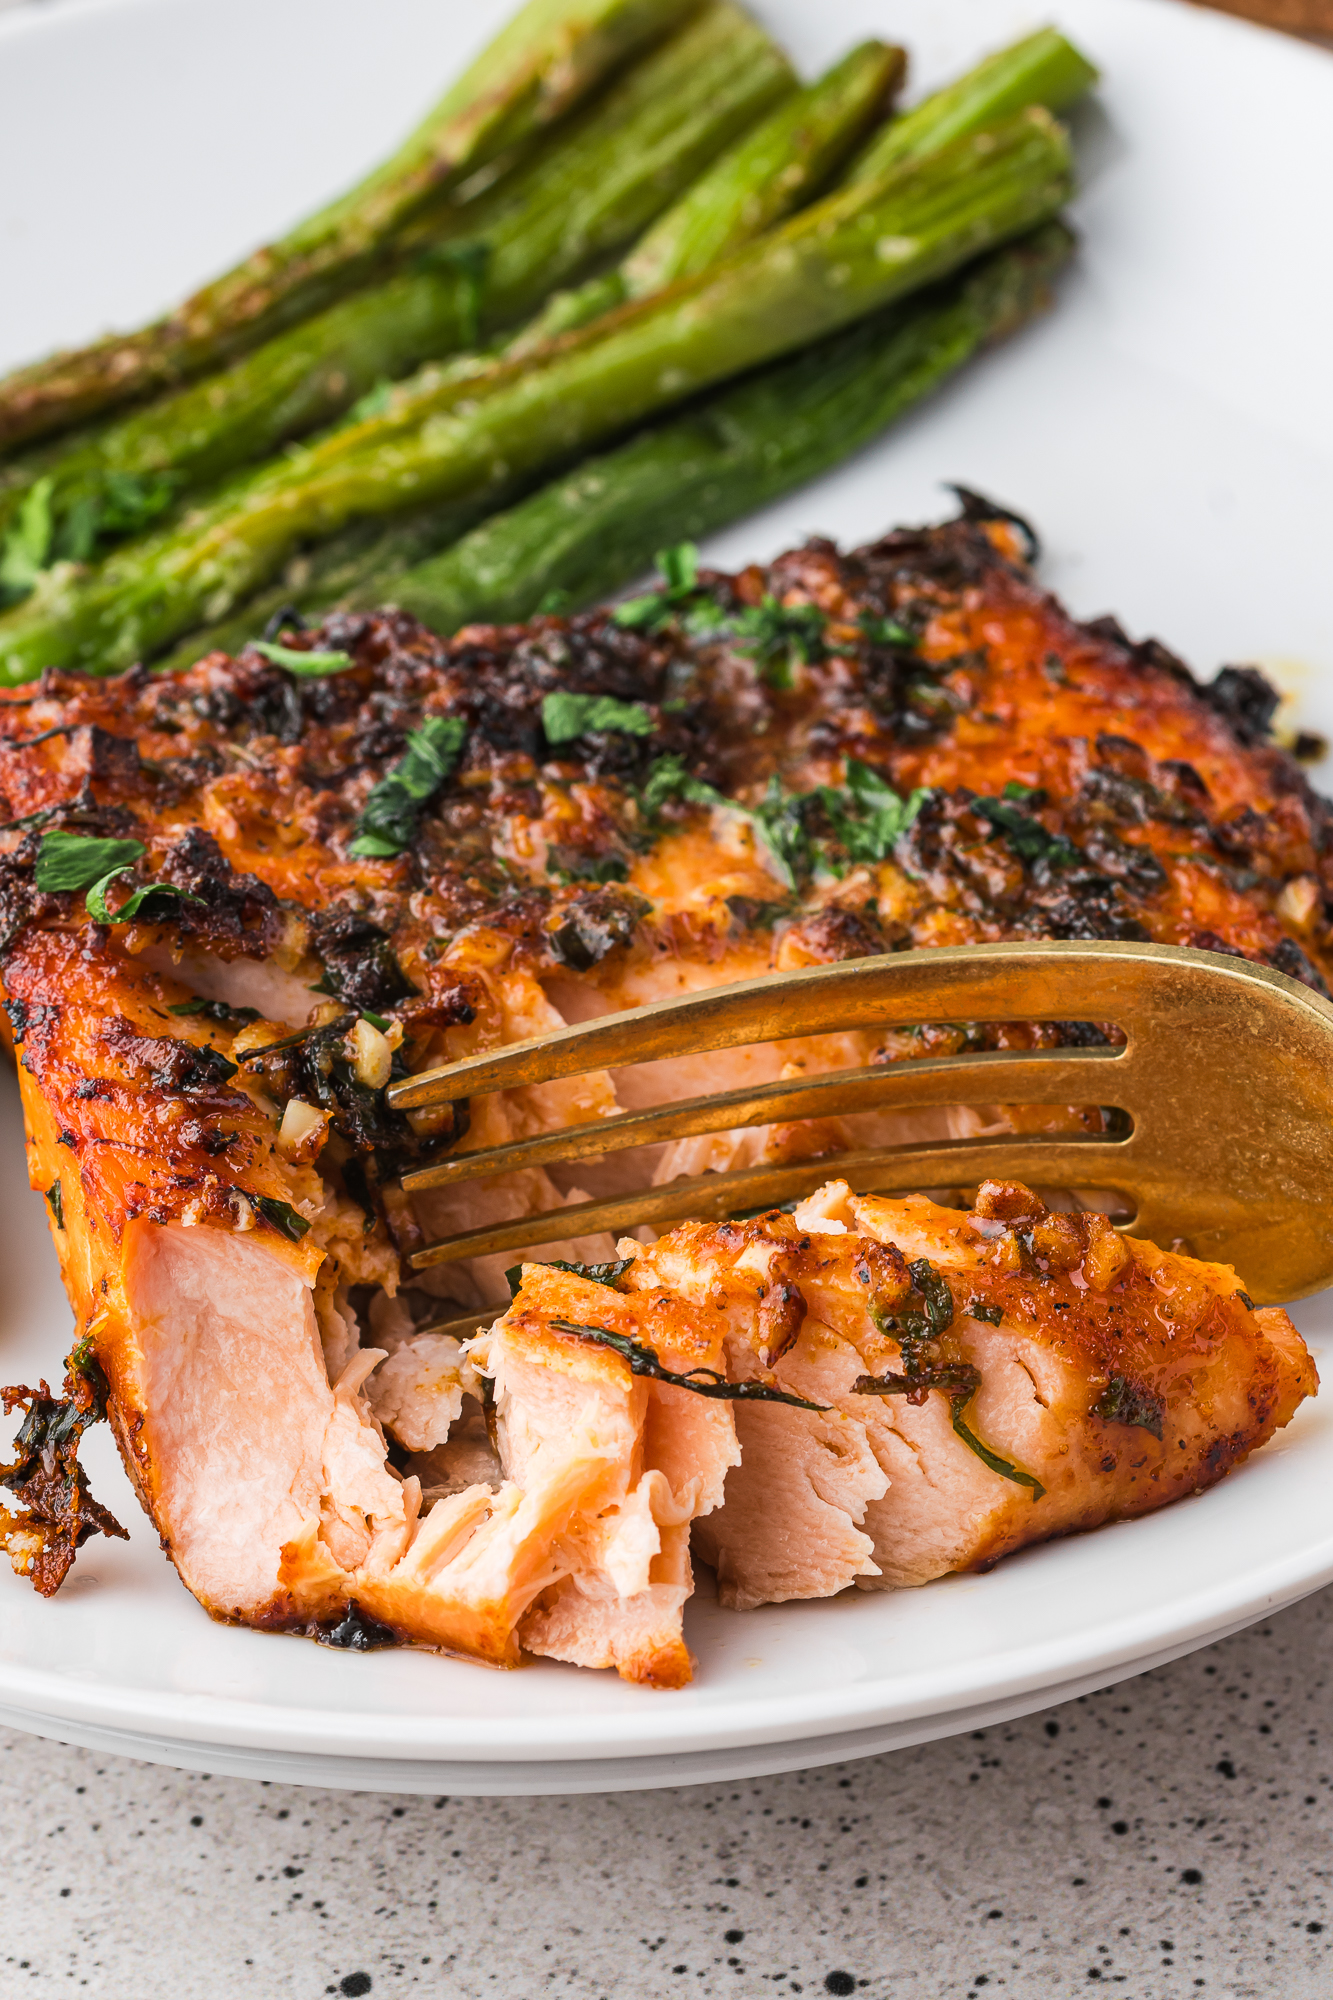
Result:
[[303, 1129], [370, 1054], [1298, 901]]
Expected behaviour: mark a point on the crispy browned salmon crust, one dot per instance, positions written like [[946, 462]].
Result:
[[1064, 782]]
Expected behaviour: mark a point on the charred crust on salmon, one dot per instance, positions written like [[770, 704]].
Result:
[[326, 884], [57, 1511]]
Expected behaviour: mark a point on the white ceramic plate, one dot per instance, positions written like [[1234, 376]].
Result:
[[1171, 430]]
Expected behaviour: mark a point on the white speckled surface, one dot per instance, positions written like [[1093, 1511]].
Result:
[[1171, 1837]]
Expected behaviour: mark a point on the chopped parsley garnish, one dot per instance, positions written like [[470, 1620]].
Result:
[[866, 813], [71, 861], [571, 864], [918, 1329], [701, 1381], [55, 1195], [1024, 835], [281, 1215], [668, 778], [565, 717], [215, 1010], [1125, 1402], [388, 822], [678, 569], [68, 861], [297, 662], [600, 1274], [778, 636], [779, 819], [867, 816], [885, 631], [147, 902]]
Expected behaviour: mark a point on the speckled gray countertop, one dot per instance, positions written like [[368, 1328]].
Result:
[[1169, 1837]]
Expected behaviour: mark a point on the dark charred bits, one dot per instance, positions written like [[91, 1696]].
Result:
[[358, 958], [1054, 891], [171, 1065], [976, 507], [59, 1511], [1246, 700], [1125, 1402], [595, 923], [1288, 957], [377, 1144], [238, 910], [356, 1632]]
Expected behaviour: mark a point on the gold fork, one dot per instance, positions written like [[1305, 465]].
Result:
[[1226, 1077]]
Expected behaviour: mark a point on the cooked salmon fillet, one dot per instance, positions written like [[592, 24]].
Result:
[[984, 1378], [319, 881]]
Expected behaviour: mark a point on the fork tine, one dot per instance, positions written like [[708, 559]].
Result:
[[1064, 1161], [997, 982], [1228, 1073], [1048, 1076], [463, 1324]]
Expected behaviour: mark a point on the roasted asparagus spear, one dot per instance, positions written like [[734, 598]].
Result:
[[549, 56], [774, 170], [829, 266], [587, 191], [1042, 68], [584, 536], [764, 176]]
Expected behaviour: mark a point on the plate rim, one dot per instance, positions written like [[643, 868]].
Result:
[[573, 1738], [1042, 1668]]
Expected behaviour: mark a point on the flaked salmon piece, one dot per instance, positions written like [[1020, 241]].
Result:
[[196, 1292], [950, 759], [793, 1521], [583, 1552], [1014, 1374]]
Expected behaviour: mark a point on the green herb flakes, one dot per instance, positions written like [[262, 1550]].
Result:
[[147, 902], [885, 631], [867, 815], [679, 569], [389, 820], [779, 820], [565, 717], [71, 861], [643, 1360], [1125, 1402], [67, 861], [55, 1196], [778, 636], [930, 1314], [668, 778], [281, 1215], [216, 1010], [1023, 834], [297, 662], [600, 1274]]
